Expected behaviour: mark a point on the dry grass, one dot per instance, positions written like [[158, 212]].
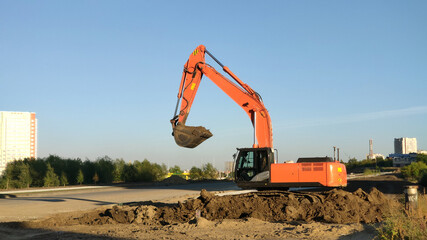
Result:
[[405, 224]]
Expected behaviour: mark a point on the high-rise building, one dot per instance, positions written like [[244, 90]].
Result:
[[18, 137], [405, 145], [229, 167]]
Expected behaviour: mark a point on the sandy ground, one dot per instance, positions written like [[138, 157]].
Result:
[[24, 206], [86, 225], [249, 228]]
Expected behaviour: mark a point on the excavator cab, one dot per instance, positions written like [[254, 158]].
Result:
[[253, 164]]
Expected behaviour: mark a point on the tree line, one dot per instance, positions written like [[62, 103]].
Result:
[[57, 171], [207, 171], [417, 171], [353, 165]]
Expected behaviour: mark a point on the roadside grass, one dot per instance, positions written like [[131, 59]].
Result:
[[368, 171], [405, 224]]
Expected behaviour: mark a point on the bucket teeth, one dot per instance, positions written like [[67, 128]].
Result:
[[189, 136]]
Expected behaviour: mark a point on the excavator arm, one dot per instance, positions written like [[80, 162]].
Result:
[[241, 93]]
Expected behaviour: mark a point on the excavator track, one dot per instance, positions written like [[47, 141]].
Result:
[[312, 197]]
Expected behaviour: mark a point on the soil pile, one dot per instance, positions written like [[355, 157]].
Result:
[[174, 179], [334, 206]]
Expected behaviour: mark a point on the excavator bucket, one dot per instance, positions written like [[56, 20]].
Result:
[[190, 137]]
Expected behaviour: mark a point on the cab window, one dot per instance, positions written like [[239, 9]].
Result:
[[246, 160]]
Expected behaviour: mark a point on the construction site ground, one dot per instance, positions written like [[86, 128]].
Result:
[[318, 213]]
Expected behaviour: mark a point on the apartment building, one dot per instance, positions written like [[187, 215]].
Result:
[[18, 136], [405, 145]]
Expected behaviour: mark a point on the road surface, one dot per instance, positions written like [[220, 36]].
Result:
[[39, 205]]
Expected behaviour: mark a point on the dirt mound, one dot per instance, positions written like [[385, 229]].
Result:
[[334, 206], [174, 179]]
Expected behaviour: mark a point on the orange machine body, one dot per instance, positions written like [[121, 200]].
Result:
[[328, 174]]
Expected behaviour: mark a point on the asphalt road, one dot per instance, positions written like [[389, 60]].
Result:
[[35, 206]]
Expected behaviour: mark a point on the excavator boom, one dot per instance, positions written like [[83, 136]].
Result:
[[241, 93]]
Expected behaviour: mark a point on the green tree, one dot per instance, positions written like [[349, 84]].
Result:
[[7, 176], [423, 180], [38, 171], [422, 158], [175, 170], [95, 178], [130, 174], [104, 168], [414, 171], [24, 175], [159, 172], [209, 172], [57, 163], [16, 175], [119, 165], [63, 180], [54, 171], [196, 173], [50, 179], [89, 169], [352, 161], [144, 171], [80, 177], [72, 167]]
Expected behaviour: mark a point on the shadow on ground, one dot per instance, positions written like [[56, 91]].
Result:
[[209, 185], [19, 230], [369, 232], [7, 196], [61, 199]]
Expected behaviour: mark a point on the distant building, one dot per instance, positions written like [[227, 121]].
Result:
[[405, 151], [371, 154], [18, 137], [229, 167], [401, 160], [375, 156], [422, 152], [405, 145]]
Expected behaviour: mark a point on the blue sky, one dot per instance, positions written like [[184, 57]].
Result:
[[102, 76]]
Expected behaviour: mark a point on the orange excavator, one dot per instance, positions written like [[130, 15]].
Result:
[[255, 167]]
